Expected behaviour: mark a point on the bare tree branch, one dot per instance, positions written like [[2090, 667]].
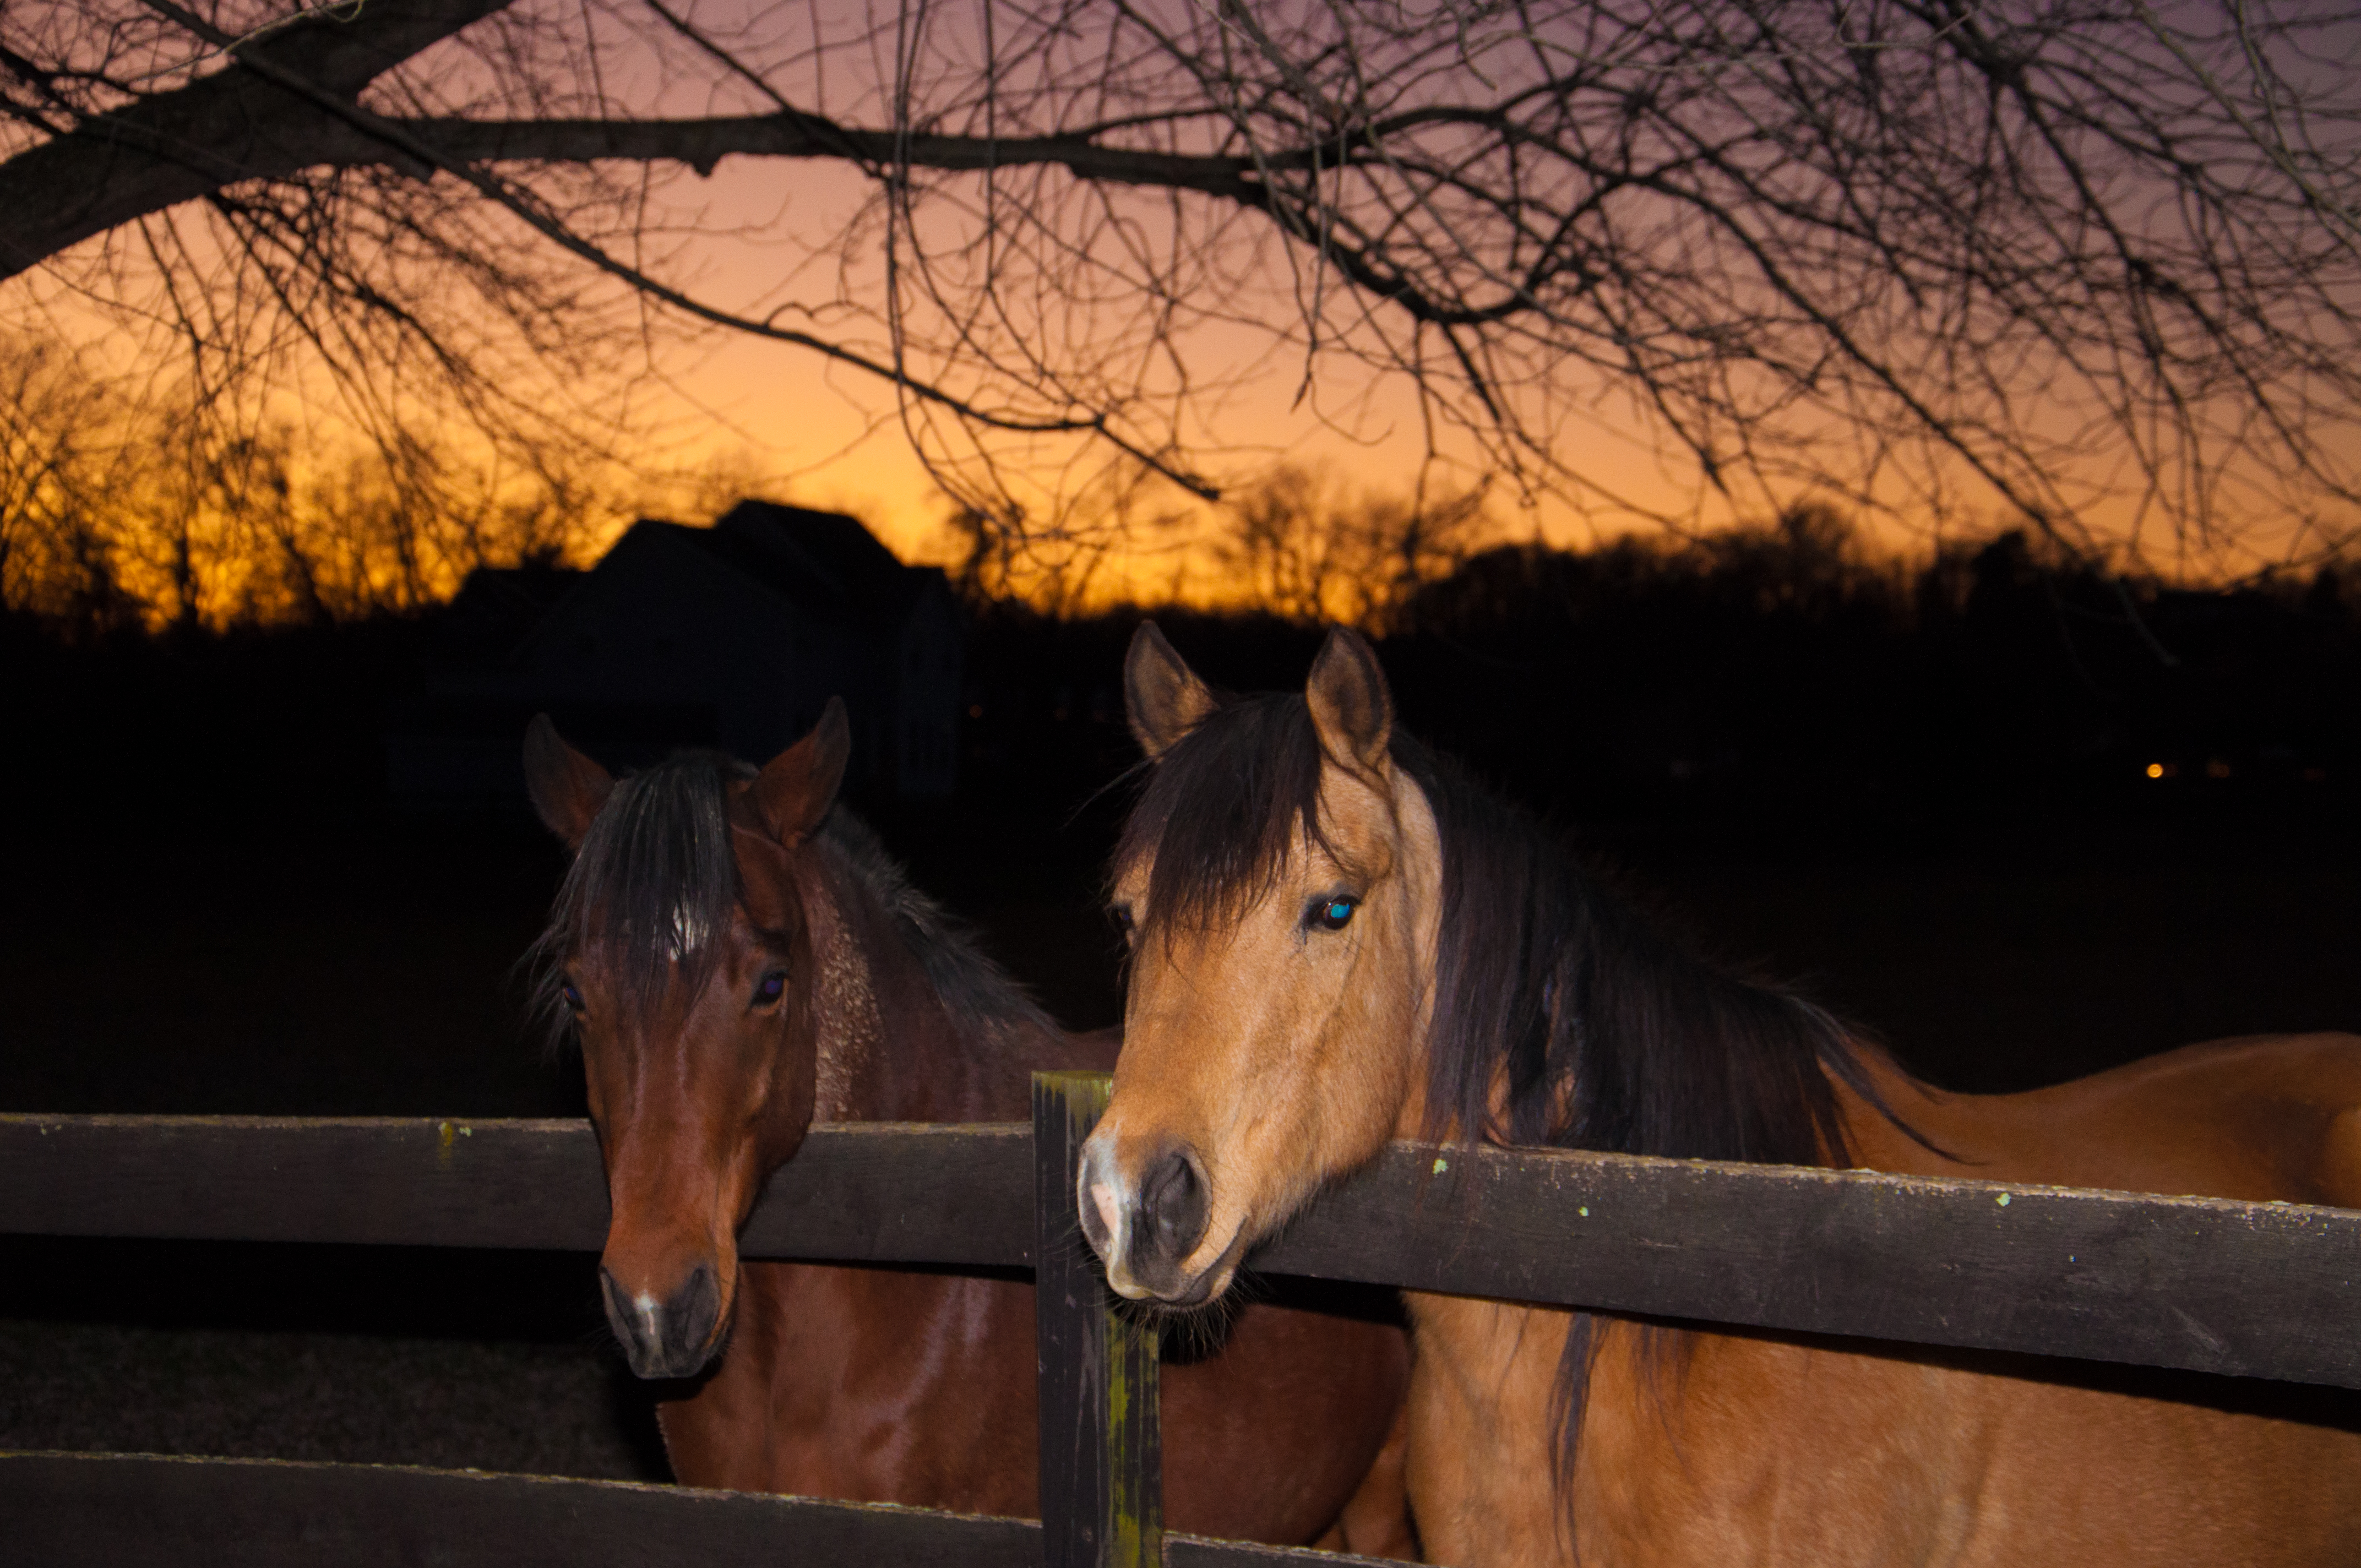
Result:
[[236, 124], [2097, 257]]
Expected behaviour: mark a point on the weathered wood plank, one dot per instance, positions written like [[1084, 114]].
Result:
[[879, 1193], [101, 1510], [138, 1510], [1101, 1459], [902, 1192], [1203, 1552], [2247, 1289]]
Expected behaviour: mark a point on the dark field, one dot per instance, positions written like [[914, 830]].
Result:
[[206, 905]]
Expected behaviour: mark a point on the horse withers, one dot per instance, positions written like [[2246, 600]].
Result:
[[738, 958], [1339, 938]]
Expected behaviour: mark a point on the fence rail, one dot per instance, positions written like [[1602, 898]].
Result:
[[2102, 1275], [97, 1511], [878, 1192], [2250, 1290]]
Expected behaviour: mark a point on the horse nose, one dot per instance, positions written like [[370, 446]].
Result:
[[1098, 1199], [668, 1338], [1172, 1208]]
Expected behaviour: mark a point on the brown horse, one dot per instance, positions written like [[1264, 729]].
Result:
[[1339, 940], [739, 958]]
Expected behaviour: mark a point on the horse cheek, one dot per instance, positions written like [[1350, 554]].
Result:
[[1366, 1057], [790, 1072]]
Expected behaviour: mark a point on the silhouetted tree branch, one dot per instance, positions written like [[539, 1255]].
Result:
[[2074, 253]]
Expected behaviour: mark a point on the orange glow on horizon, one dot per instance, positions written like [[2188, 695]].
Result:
[[742, 416]]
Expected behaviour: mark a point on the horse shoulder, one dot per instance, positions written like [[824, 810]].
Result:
[[1702, 1449], [1791, 1451]]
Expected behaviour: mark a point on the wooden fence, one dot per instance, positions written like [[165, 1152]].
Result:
[[2251, 1290]]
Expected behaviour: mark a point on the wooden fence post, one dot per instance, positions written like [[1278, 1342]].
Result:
[[1102, 1475]]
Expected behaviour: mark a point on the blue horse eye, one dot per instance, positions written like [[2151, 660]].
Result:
[[573, 998], [1332, 913], [771, 986]]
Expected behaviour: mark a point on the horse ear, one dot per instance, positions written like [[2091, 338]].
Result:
[[1162, 697], [795, 788], [567, 788], [1350, 705]]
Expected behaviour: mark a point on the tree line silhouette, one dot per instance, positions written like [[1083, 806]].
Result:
[[1787, 671]]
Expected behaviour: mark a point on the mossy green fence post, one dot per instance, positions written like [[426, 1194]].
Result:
[[1102, 1464]]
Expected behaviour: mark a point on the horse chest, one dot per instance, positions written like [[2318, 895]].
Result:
[[1479, 1456], [869, 1385]]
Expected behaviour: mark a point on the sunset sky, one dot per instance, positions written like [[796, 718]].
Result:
[[829, 434], [765, 236], [791, 425]]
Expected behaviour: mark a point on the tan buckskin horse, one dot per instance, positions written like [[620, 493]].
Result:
[[739, 958], [1339, 940]]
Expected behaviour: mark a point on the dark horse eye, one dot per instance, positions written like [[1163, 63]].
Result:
[[1120, 914], [770, 988], [1333, 912], [572, 997]]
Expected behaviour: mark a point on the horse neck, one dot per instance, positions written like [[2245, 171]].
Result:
[[886, 1046]]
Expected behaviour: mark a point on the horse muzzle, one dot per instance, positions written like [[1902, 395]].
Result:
[[1147, 1223], [673, 1336]]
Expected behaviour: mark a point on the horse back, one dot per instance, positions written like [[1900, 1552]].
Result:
[[2259, 1118]]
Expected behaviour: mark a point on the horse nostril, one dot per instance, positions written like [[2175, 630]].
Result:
[[629, 1329], [668, 1338], [1172, 1200], [1096, 1201], [693, 1316], [619, 1306]]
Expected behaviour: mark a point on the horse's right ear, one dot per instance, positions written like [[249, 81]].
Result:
[[1352, 712], [567, 788], [1162, 697], [795, 788]]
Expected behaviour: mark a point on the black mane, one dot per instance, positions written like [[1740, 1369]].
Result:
[[1606, 1035], [974, 986], [657, 875]]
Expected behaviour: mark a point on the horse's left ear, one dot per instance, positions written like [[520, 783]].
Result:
[[1351, 709], [795, 788], [567, 788], [1162, 698]]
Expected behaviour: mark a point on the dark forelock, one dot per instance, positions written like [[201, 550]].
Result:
[[1220, 810], [654, 881]]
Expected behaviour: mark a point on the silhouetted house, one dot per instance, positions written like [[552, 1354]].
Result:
[[495, 609], [733, 636]]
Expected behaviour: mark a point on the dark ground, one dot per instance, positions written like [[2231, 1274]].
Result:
[[178, 939]]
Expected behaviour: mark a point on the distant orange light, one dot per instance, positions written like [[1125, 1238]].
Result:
[[2156, 770], [2217, 768]]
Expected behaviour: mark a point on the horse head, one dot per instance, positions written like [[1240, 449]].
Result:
[[681, 950], [1278, 883]]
